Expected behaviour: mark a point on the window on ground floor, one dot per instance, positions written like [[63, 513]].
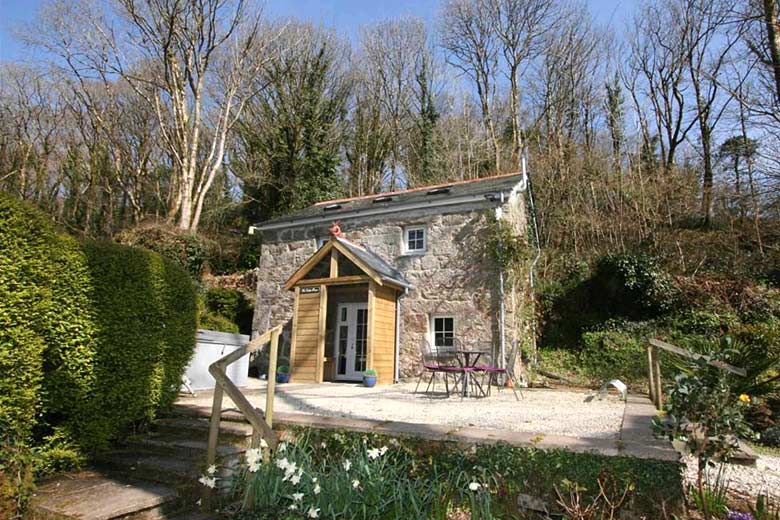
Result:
[[442, 331]]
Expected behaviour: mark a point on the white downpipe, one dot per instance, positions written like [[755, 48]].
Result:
[[501, 305], [397, 374]]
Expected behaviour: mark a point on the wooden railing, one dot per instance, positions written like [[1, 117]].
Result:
[[654, 366], [262, 425]]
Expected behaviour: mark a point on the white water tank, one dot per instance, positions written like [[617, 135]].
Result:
[[209, 347]]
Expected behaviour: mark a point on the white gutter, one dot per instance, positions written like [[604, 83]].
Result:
[[327, 217]]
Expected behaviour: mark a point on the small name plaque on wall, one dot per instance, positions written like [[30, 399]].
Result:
[[309, 290]]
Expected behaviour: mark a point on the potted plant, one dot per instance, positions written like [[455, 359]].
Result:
[[283, 374], [369, 378]]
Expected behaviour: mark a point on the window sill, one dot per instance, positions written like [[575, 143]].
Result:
[[413, 253]]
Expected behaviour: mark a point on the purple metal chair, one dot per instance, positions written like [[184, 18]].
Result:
[[438, 361], [494, 371]]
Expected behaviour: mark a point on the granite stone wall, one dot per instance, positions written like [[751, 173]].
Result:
[[455, 276]]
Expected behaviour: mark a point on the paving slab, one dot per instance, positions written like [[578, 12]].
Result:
[[636, 432], [95, 496]]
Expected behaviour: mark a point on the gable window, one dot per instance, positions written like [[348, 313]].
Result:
[[443, 331], [414, 239]]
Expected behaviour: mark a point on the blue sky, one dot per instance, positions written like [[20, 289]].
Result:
[[343, 15]]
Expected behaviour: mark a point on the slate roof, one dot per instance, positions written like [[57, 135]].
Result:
[[386, 272], [437, 195]]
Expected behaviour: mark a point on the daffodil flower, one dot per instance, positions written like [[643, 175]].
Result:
[[207, 481], [474, 486], [313, 513], [355, 484]]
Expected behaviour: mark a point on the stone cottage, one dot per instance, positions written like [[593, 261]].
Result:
[[361, 282]]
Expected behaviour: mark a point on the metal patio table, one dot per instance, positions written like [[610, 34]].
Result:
[[468, 359]]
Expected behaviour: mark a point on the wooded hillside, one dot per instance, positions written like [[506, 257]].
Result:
[[658, 135]]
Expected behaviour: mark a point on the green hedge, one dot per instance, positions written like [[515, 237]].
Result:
[[144, 309], [44, 316], [94, 336]]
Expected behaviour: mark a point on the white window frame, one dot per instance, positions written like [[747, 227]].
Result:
[[321, 241], [406, 232], [432, 329]]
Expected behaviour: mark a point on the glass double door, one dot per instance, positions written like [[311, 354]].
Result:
[[351, 341]]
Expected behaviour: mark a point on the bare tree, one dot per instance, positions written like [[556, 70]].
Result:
[[468, 34], [659, 56], [520, 26], [189, 60], [390, 54], [708, 45]]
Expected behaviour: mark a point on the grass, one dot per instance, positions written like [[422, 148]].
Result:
[[764, 450]]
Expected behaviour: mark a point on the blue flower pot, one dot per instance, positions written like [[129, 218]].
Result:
[[282, 378], [369, 381]]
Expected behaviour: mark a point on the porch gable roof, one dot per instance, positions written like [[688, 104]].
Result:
[[374, 266]]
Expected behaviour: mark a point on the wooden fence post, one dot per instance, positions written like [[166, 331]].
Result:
[[216, 413], [207, 496], [271, 387], [651, 374], [659, 391]]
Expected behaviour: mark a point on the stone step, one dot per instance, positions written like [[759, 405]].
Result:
[[180, 448], [94, 495], [195, 516], [744, 456], [230, 432], [152, 467], [228, 416]]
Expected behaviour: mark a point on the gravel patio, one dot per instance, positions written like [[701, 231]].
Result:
[[543, 411]]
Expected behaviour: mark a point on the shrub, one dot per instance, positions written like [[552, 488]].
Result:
[[705, 414], [233, 252], [187, 249], [230, 304], [771, 437], [210, 321], [16, 477], [610, 355], [633, 286]]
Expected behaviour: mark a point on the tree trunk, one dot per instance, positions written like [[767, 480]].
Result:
[[773, 37], [707, 180]]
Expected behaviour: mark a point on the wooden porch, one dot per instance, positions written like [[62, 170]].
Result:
[[344, 315]]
